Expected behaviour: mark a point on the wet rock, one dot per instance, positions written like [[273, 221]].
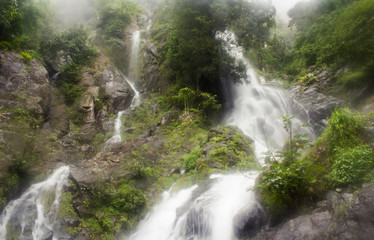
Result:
[[151, 68], [103, 121], [71, 222], [317, 105], [175, 171], [47, 236], [363, 208], [116, 88], [249, 221], [167, 118]]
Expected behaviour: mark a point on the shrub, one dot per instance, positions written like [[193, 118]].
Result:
[[283, 189], [26, 57], [345, 128], [190, 160], [351, 165]]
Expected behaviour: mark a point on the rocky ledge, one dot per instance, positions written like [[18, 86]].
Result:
[[341, 216], [309, 96]]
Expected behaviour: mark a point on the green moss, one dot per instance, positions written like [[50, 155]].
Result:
[[190, 160], [116, 207], [48, 199], [13, 231]]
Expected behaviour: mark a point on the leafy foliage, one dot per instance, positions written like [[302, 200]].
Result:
[[190, 160], [336, 34], [339, 158], [124, 203], [283, 189], [351, 165], [23, 23], [71, 46]]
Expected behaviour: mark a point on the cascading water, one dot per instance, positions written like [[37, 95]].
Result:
[[257, 111], [34, 214], [160, 222], [207, 217], [117, 130], [259, 107], [133, 74]]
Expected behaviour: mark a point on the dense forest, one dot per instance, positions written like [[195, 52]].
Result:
[[64, 87]]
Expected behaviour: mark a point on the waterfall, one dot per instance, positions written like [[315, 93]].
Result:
[[160, 222], [207, 217], [133, 74], [134, 67], [34, 214], [258, 106], [257, 110]]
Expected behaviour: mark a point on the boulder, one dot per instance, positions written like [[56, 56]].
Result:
[[116, 88], [249, 221]]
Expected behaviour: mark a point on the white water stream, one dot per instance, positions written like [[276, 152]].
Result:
[[133, 75], [258, 110], [207, 217], [259, 107], [34, 214]]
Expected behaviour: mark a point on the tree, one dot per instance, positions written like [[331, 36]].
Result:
[[71, 45]]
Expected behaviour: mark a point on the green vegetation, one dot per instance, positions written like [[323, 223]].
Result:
[[190, 56], [23, 23], [72, 47], [339, 158], [115, 17], [333, 34], [351, 165], [116, 207]]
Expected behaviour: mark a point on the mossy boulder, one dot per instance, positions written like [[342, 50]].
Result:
[[226, 147]]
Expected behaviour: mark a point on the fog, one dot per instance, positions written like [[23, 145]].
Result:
[[75, 12], [72, 12], [282, 7]]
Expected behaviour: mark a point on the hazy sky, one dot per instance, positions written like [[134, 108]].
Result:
[[283, 6]]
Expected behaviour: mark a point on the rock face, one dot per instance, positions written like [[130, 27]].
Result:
[[116, 88], [23, 84], [341, 216], [150, 75], [317, 105]]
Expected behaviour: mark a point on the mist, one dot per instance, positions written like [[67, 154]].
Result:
[[73, 12], [282, 7]]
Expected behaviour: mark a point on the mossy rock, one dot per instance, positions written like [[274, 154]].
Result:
[[226, 147]]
